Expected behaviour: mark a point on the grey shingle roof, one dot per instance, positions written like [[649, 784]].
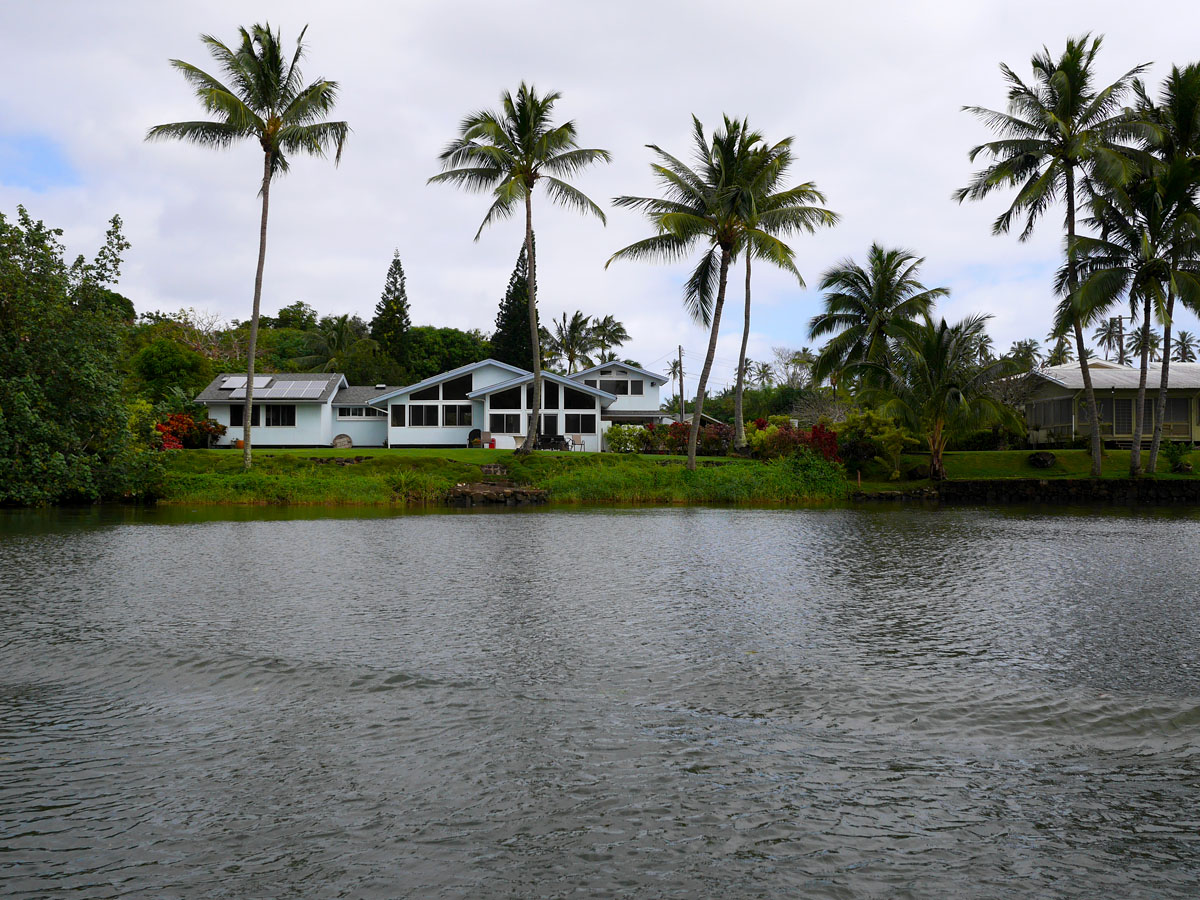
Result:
[[357, 395], [214, 393], [1112, 376]]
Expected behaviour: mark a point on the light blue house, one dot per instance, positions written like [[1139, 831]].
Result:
[[485, 401]]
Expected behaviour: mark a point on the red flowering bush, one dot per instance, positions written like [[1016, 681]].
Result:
[[181, 430], [760, 423], [677, 437], [715, 439]]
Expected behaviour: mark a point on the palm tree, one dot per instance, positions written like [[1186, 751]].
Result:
[[608, 333], [712, 203], [935, 384], [332, 342], [269, 103], [1058, 132], [1108, 336], [864, 306], [1174, 145], [675, 372], [985, 348], [1145, 342], [508, 153], [1062, 352], [763, 374], [1185, 347], [777, 211], [1026, 354], [571, 340], [1147, 251]]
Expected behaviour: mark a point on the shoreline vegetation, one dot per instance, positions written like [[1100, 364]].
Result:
[[416, 477]]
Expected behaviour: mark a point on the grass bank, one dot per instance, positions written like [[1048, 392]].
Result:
[[412, 476]]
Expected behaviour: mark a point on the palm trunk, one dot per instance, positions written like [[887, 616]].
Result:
[[739, 427], [1139, 412], [694, 433], [1089, 393], [253, 348], [1160, 407], [937, 444], [536, 407]]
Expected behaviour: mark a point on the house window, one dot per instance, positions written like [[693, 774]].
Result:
[[237, 416], [581, 423], [360, 412], [1176, 411], [456, 388], [430, 393], [549, 425], [590, 382], [636, 387], [423, 416], [573, 399], [510, 399], [614, 386], [398, 415], [550, 392], [281, 415], [456, 415], [505, 423]]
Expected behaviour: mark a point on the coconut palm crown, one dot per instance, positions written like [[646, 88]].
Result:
[[863, 306], [507, 153], [263, 98]]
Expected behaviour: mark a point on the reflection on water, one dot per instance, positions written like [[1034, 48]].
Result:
[[667, 703]]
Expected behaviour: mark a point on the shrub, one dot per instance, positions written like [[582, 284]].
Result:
[[867, 437], [714, 440], [624, 438], [1175, 454], [182, 431]]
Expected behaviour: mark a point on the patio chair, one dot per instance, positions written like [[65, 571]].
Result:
[[577, 442]]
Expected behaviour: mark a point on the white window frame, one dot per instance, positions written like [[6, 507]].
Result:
[[469, 407], [437, 413]]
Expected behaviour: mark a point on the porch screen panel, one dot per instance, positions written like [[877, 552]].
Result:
[[549, 424], [1177, 410], [550, 389], [398, 415], [1122, 417]]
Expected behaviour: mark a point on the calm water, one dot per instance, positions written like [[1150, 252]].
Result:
[[653, 703]]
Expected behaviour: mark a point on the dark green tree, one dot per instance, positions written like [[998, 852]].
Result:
[[511, 342], [298, 315], [164, 365], [63, 421], [389, 328], [435, 350]]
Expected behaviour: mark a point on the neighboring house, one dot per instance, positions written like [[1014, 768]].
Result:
[[297, 410], [487, 400], [1057, 409]]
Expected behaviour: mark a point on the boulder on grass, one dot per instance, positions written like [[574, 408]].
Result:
[[1043, 459], [343, 442]]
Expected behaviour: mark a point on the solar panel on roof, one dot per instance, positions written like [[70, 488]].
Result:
[[314, 389], [234, 381], [238, 394], [261, 380]]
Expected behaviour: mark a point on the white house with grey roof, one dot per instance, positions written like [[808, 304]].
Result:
[[487, 401], [1057, 409]]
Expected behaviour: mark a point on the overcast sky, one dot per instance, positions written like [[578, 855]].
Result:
[[872, 93]]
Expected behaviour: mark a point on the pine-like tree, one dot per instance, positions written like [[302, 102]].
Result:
[[512, 341], [390, 326]]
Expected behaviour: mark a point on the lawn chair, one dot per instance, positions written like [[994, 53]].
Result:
[[577, 442]]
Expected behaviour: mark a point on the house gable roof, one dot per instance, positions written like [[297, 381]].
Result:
[[662, 379], [548, 376], [1113, 376], [217, 392], [446, 376]]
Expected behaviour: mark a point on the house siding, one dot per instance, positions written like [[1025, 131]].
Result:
[[312, 428]]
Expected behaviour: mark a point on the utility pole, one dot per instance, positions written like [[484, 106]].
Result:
[[1121, 338], [681, 382]]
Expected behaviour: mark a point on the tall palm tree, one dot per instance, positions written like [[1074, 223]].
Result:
[[263, 98], [935, 384], [710, 203], [864, 306], [571, 340], [1146, 342], [985, 348], [1174, 145], [1185, 347], [608, 333], [1057, 133], [1146, 251], [777, 211], [507, 152], [1062, 352], [1108, 336], [763, 374]]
